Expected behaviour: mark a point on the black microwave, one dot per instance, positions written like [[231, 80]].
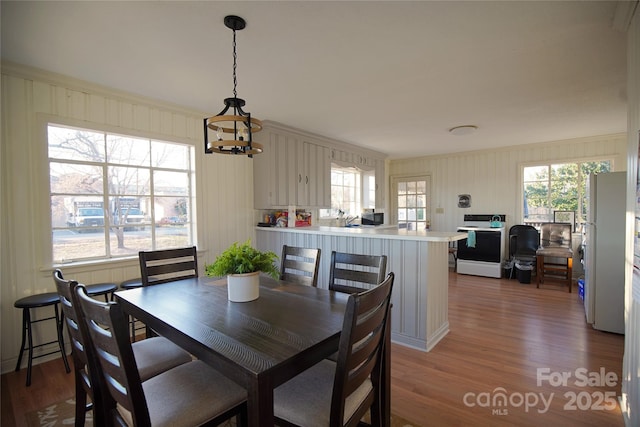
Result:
[[372, 218]]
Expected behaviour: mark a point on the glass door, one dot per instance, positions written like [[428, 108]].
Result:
[[412, 202]]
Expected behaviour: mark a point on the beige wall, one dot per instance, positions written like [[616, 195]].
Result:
[[29, 97], [492, 177]]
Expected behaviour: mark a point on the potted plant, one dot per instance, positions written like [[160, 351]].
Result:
[[242, 264]]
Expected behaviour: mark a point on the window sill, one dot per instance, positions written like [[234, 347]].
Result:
[[87, 266]]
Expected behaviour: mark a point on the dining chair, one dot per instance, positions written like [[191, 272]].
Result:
[[190, 394], [352, 273], [340, 393], [152, 356], [300, 265], [168, 265]]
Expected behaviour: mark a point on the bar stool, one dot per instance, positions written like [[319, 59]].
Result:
[[106, 289], [132, 284], [26, 304]]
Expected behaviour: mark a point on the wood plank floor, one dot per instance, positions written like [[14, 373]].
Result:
[[502, 332]]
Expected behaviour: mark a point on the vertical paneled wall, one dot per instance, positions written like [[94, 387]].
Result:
[[419, 317], [492, 177], [224, 184], [631, 363]]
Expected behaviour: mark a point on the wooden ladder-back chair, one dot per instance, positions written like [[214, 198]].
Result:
[[190, 394], [82, 369], [153, 356], [300, 265], [340, 393], [168, 265], [351, 273]]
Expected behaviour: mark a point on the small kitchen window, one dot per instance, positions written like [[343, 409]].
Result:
[[352, 190]]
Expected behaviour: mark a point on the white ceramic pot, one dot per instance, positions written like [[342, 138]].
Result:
[[243, 287]]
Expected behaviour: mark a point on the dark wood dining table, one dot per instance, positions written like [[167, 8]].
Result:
[[259, 344]]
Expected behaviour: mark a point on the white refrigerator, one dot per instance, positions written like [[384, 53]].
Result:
[[604, 252]]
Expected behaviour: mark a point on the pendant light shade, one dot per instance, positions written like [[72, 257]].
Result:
[[231, 131]]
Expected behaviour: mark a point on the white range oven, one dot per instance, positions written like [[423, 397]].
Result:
[[482, 253]]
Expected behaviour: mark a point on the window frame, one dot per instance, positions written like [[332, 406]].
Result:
[[363, 189], [549, 164], [394, 217], [46, 220]]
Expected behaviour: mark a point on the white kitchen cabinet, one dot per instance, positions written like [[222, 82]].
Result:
[[313, 178], [273, 177], [295, 168], [290, 171]]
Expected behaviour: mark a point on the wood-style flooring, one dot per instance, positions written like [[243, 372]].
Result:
[[483, 373], [501, 333]]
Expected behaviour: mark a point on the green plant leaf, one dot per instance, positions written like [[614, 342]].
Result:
[[242, 259]]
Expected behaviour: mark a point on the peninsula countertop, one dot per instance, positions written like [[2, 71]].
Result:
[[374, 232], [419, 259]]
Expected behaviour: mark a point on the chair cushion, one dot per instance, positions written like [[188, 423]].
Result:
[[555, 251], [188, 395], [156, 355], [305, 400]]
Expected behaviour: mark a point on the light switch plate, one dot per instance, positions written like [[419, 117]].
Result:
[[439, 210]]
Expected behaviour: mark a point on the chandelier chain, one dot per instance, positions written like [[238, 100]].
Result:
[[235, 56]]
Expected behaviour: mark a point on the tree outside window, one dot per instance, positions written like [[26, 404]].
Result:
[[558, 187]]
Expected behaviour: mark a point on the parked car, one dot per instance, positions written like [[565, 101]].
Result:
[[171, 220]]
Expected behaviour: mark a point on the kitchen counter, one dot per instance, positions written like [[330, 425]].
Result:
[[419, 259], [373, 231]]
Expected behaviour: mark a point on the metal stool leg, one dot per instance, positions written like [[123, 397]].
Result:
[[25, 322], [27, 335], [59, 324], [30, 339], [26, 330]]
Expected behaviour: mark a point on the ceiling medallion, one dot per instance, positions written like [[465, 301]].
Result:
[[239, 127]]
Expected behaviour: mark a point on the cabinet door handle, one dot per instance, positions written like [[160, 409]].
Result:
[[306, 179], [299, 177]]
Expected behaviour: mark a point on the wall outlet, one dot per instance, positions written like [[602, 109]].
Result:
[[439, 210]]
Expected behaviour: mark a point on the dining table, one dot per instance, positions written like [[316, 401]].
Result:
[[260, 344]]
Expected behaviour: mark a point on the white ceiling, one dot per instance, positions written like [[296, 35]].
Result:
[[389, 75]]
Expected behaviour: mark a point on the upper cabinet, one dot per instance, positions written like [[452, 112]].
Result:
[[295, 168], [314, 175], [273, 175]]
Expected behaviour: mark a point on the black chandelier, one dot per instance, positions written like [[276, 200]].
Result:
[[240, 125]]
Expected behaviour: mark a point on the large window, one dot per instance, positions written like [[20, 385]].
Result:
[[114, 195], [558, 188]]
